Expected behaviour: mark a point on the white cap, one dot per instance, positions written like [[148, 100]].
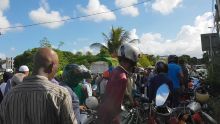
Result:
[[23, 68]]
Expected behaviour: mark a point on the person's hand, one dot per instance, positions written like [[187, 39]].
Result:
[[82, 108]]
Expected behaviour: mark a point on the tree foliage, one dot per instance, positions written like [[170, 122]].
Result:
[[45, 43], [61, 43], [114, 39], [144, 61], [25, 59], [65, 57]]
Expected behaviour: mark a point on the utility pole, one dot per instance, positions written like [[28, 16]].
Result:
[[217, 15]]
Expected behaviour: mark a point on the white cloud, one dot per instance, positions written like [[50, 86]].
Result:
[[4, 23], [166, 6], [43, 14], [132, 11], [4, 4], [45, 5], [13, 49], [86, 49], [94, 6], [187, 40], [147, 6], [133, 34]]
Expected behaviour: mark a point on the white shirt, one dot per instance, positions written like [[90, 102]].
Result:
[[88, 88], [103, 84], [2, 86]]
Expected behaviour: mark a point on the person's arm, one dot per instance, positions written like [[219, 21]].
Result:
[[181, 78], [151, 90], [67, 115]]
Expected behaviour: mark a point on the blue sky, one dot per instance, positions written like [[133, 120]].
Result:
[[163, 26]]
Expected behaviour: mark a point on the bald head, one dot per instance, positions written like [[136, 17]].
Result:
[[47, 61]]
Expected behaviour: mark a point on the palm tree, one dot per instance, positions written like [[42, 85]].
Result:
[[116, 37]]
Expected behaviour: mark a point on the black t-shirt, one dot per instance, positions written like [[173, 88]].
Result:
[[156, 82]]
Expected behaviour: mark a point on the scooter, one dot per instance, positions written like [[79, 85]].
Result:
[[89, 116]]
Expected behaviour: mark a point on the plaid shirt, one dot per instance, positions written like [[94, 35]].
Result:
[[37, 101]]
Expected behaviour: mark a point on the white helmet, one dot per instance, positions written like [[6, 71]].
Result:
[[129, 51], [92, 102]]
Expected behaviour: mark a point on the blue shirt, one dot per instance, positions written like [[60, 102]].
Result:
[[174, 71], [75, 102]]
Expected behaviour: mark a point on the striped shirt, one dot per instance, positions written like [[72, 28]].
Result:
[[37, 101]]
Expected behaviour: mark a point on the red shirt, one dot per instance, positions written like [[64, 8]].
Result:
[[109, 110]]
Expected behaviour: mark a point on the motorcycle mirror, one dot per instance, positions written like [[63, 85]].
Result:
[[92, 102], [94, 87], [162, 94]]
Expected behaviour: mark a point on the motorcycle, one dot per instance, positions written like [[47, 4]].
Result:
[[191, 114], [147, 111], [89, 116]]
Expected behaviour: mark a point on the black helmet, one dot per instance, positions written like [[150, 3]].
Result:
[[173, 58], [73, 74], [161, 67]]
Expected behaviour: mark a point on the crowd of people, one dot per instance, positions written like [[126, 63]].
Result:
[[49, 97]]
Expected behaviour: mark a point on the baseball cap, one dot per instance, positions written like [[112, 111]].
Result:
[[23, 68]]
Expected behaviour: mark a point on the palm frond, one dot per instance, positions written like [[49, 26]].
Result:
[[136, 41], [125, 36], [97, 45]]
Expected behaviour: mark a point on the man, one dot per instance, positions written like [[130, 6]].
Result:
[[185, 72], [103, 83], [72, 75], [37, 100], [161, 78], [176, 75], [119, 87], [24, 69], [6, 78], [17, 79], [88, 87]]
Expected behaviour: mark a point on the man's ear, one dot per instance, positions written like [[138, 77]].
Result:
[[49, 68]]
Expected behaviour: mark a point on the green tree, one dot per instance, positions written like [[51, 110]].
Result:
[[116, 37], [61, 43], [25, 59], [88, 53], [104, 52], [45, 43], [186, 58], [79, 53], [193, 61], [144, 61]]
